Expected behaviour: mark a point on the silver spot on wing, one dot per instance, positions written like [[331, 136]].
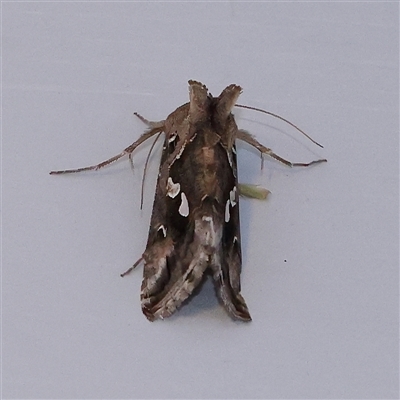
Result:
[[228, 153], [227, 214], [172, 138], [184, 207], [232, 196], [164, 231], [172, 188]]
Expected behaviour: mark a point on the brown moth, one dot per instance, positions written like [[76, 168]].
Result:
[[194, 228]]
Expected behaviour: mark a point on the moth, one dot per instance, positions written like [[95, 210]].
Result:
[[195, 229]]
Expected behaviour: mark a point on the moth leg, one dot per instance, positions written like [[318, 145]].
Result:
[[253, 191], [248, 138], [151, 124], [129, 270], [128, 150]]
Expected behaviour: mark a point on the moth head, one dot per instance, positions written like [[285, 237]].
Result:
[[204, 106]]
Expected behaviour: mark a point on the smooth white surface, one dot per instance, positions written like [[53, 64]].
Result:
[[320, 265]]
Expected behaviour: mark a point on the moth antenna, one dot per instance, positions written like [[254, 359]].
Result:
[[145, 169], [281, 118]]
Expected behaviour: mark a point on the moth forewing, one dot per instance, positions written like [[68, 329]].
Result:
[[195, 227]]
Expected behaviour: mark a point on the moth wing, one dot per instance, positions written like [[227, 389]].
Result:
[[170, 275], [227, 264]]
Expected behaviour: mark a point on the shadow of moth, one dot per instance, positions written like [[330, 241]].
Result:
[[194, 228]]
